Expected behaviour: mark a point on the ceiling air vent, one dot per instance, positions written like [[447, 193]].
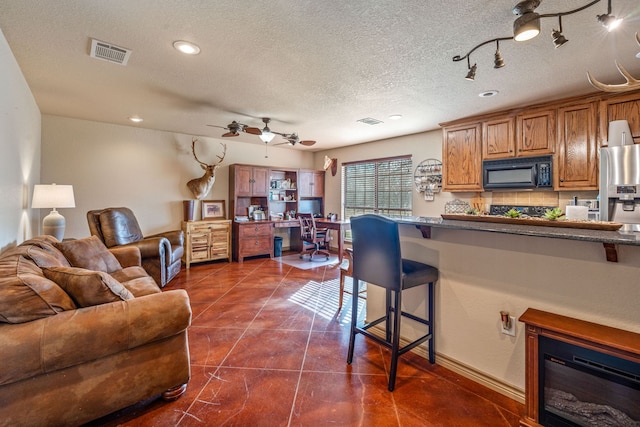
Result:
[[109, 52], [370, 121]]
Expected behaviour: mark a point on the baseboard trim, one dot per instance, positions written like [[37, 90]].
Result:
[[466, 371]]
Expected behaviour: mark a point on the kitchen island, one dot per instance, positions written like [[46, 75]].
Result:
[[609, 239], [486, 268]]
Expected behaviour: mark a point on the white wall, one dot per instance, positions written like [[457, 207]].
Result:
[[145, 170], [482, 273], [20, 152]]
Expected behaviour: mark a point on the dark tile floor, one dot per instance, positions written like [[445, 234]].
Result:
[[268, 348]]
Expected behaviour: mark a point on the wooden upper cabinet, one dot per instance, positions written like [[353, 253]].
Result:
[[576, 159], [462, 158], [536, 132], [624, 107], [498, 138], [251, 181], [311, 183]]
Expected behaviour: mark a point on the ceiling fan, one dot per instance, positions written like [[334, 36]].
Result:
[[234, 128], [293, 139]]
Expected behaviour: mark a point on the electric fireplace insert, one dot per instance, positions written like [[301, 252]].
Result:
[[582, 387]]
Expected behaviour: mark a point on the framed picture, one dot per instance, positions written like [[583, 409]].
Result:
[[213, 209]]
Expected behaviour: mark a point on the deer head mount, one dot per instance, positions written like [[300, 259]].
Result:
[[631, 84], [200, 187]]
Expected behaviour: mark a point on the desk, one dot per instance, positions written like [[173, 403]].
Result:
[[296, 243]]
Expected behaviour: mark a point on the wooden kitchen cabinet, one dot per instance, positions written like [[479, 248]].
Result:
[[462, 157], [621, 107], [536, 132], [252, 238], [310, 183], [499, 138], [576, 159], [206, 240]]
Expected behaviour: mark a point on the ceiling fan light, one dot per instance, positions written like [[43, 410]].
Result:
[[267, 136], [526, 27]]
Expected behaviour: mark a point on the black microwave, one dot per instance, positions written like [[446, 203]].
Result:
[[518, 173]]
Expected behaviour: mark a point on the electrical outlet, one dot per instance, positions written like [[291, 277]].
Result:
[[512, 330]]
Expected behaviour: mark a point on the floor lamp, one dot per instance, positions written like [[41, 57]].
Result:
[[53, 196]]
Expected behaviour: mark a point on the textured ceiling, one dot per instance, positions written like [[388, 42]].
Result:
[[314, 67]]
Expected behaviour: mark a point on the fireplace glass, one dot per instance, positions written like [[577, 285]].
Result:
[[587, 388]]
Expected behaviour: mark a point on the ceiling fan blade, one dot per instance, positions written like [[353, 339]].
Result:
[[229, 134], [216, 126], [253, 131], [308, 143]]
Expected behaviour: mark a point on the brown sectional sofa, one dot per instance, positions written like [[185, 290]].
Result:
[[79, 343]]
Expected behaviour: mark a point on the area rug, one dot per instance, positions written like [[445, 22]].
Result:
[[304, 264]]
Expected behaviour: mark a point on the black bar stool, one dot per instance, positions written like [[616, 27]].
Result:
[[377, 260]]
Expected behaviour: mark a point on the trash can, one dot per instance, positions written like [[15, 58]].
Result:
[[277, 246]]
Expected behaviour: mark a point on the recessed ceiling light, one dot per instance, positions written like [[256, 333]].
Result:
[[488, 93], [395, 117], [135, 119], [186, 47]]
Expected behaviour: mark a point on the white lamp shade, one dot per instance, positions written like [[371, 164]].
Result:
[[53, 196], [619, 133], [267, 137]]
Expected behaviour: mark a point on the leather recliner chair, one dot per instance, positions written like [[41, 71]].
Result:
[[161, 253]]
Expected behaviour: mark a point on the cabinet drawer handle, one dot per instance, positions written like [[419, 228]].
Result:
[[256, 228], [257, 242]]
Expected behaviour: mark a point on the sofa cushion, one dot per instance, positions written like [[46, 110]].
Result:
[[87, 287], [89, 253], [137, 281], [25, 294]]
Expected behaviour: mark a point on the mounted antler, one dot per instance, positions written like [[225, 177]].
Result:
[[200, 187], [631, 84]]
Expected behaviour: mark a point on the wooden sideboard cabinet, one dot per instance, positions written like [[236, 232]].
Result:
[[252, 238], [206, 240]]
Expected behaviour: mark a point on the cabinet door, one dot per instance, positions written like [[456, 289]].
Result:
[[626, 107], [462, 158], [498, 138], [536, 133], [260, 182], [311, 183], [243, 180], [576, 158]]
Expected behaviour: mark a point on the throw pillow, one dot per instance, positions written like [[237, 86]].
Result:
[[89, 253], [86, 287]]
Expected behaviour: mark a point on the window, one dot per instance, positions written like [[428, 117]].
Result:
[[383, 186]]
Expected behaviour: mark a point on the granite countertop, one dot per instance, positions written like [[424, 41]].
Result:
[[599, 236]]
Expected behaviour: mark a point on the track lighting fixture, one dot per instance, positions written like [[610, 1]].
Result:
[[527, 26], [556, 35], [498, 62], [471, 75]]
